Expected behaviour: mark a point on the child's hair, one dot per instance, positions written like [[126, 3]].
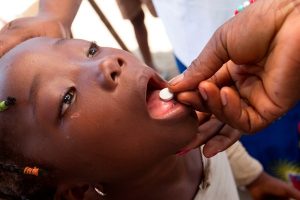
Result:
[[15, 183]]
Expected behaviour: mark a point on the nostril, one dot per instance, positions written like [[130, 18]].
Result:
[[120, 62], [114, 75]]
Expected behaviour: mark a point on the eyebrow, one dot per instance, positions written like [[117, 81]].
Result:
[[35, 85]]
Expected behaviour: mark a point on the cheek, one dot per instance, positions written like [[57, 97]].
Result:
[[121, 137], [95, 131], [109, 132], [110, 149]]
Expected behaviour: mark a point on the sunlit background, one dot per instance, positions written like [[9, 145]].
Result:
[[87, 25]]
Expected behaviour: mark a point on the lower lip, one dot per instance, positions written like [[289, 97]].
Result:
[[159, 109]]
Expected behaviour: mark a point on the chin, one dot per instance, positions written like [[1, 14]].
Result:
[[188, 126], [182, 131]]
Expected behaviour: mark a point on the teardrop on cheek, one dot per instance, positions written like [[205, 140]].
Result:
[[75, 115]]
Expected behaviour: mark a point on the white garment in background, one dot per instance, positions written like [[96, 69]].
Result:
[[226, 170], [190, 23], [219, 178]]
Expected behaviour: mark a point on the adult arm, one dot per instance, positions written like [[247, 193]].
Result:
[[248, 75], [245, 168], [249, 173], [268, 187], [63, 10], [54, 19]]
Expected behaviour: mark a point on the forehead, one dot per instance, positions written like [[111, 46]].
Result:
[[21, 67], [37, 49], [18, 66], [24, 61], [29, 54]]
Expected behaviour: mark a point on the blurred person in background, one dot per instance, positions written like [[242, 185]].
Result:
[[132, 11]]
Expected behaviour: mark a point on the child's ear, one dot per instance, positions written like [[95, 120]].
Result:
[[76, 192]]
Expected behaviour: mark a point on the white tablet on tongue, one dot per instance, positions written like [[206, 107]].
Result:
[[166, 95]]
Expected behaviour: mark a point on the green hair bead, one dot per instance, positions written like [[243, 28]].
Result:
[[4, 105], [240, 8]]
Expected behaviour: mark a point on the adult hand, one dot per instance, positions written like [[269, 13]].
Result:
[[214, 134], [268, 187], [248, 75], [22, 29], [54, 19]]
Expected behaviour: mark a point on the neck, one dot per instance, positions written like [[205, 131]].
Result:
[[176, 178]]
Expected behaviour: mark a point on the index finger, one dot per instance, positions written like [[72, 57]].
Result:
[[210, 60], [242, 39]]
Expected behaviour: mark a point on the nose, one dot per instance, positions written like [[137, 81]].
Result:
[[110, 70]]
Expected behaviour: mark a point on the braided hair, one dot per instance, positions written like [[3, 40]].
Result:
[[14, 183]]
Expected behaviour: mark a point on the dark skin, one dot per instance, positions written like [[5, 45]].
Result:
[[62, 103], [271, 189], [105, 104], [264, 53], [54, 20], [141, 35], [250, 61]]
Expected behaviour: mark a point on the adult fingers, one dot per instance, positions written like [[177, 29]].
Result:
[[204, 66], [203, 117], [268, 187], [284, 190], [10, 37], [213, 103], [215, 135], [243, 39], [240, 107], [198, 98], [210, 126], [293, 192], [221, 141], [193, 99], [22, 29]]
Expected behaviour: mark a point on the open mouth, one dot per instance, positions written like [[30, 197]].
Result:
[[153, 86], [158, 108]]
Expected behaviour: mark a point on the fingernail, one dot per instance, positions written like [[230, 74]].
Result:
[[183, 152], [223, 98], [203, 93], [176, 79]]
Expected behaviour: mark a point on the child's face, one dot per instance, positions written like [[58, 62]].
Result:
[[90, 112]]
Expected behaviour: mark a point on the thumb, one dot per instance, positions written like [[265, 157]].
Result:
[[210, 60], [242, 39]]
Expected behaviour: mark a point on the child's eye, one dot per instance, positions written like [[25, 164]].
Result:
[[93, 49], [67, 100]]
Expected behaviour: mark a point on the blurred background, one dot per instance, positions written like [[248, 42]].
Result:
[[87, 25]]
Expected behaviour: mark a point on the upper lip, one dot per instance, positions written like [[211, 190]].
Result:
[[154, 83]]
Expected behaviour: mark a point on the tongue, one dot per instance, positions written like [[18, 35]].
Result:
[[158, 107]]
